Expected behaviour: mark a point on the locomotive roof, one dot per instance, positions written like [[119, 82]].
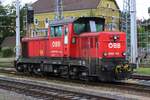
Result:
[[62, 22], [71, 20]]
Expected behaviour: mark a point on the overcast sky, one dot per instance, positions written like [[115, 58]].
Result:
[[142, 6]]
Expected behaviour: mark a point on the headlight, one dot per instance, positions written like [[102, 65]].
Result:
[[115, 37], [124, 54], [105, 54]]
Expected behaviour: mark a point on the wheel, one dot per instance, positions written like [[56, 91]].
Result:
[[30, 69], [106, 78], [37, 70], [20, 68]]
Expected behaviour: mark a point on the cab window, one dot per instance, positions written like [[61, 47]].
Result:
[[56, 31], [66, 30], [81, 27]]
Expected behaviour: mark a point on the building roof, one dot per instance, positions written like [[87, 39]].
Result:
[[9, 42], [43, 6]]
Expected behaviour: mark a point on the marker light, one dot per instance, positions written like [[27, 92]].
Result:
[[115, 37], [123, 53], [105, 54]]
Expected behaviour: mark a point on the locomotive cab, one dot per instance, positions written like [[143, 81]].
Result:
[[105, 52]]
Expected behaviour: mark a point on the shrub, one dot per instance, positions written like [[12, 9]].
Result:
[[0, 52], [7, 52]]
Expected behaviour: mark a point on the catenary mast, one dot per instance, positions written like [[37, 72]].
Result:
[[17, 30], [59, 10], [133, 31], [129, 26]]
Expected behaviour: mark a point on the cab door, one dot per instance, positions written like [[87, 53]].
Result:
[[56, 44]]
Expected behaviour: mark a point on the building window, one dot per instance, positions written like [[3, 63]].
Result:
[[46, 20], [36, 22], [108, 5]]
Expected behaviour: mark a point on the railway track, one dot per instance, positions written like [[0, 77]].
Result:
[[141, 77], [134, 88], [44, 92]]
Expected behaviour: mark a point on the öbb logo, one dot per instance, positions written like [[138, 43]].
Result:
[[114, 45], [56, 44]]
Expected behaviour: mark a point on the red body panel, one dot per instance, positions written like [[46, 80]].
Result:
[[37, 47], [86, 45], [113, 49]]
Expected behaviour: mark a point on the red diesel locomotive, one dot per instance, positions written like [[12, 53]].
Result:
[[77, 48]]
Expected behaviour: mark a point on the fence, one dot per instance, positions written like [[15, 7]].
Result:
[[144, 43]]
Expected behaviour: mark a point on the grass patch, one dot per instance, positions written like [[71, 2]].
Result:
[[7, 59], [0, 54], [6, 65], [6, 62], [145, 71]]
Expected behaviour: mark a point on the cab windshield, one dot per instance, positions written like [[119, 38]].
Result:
[[88, 25]]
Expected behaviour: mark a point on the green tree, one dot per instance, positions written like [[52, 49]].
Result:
[[7, 20]]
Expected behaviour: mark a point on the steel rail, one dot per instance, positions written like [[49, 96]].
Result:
[[141, 77], [140, 88], [44, 92]]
